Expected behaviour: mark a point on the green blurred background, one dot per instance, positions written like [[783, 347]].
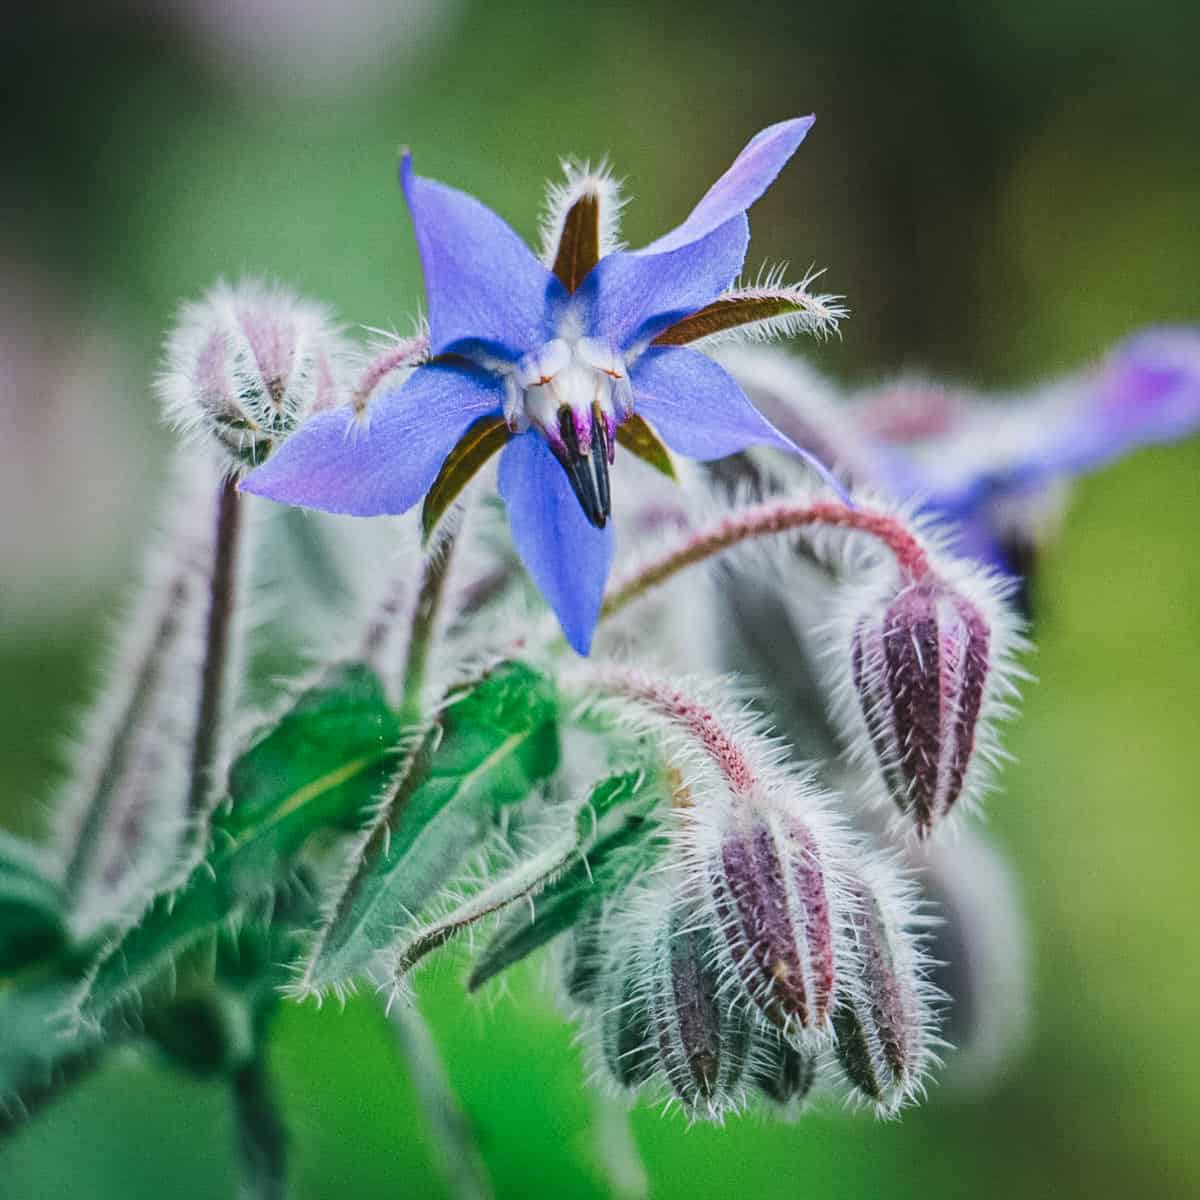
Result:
[[1001, 189]]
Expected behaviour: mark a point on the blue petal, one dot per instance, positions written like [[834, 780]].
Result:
[[386, 463], [752, 172], [700, 410], [632, 297], [568, 558], [485, 289], [1147, 391]]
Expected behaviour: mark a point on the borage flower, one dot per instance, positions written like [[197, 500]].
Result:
[[558, 361]]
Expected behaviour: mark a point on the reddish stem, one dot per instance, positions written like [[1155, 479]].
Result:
[[765, 520], [407, 352]]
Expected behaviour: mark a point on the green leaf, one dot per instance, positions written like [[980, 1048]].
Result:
[[31, 924], [619, 838], [323, 766], [498, 741]]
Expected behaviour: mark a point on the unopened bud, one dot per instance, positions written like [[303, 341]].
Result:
[[772, 902], [884, 1020], [920, 673], [703, 1039], [626, 1037], [245, 365], [778, 1070]]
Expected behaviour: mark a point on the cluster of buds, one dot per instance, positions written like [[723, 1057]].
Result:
[[245, 365], [771, 935]]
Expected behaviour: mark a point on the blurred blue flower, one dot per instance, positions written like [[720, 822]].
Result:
[[556, 361], [992, 469]]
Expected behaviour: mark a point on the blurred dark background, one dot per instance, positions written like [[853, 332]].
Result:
[[1001, 189]]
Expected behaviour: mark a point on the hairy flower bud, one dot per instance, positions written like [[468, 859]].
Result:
[[625, 1030], [920, 672], [245, 365], [885, 1018], [772, 902], [703, 1040], [779, 1071]]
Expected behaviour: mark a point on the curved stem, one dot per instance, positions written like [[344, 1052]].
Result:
[[765, 520], [407, 352]]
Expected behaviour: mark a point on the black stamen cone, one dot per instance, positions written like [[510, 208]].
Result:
[[592, 491], [600, 450]]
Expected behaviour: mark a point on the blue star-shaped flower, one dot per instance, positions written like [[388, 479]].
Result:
[[557, 362]]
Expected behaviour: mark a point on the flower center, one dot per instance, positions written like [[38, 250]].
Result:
[[576, 392]]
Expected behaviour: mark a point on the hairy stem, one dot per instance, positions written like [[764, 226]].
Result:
[[218, 643], [116, 761], [261, 1136], [765, 520], [407, 352], [435, 570], [525, 880], [449, 1127]]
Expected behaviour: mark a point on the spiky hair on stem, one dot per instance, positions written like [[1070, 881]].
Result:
[[123, 818], [388, 359], [581, 181], [245, 364]]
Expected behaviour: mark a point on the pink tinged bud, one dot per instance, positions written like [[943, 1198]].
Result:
[[246, 364], [920, 676], [772, 904], [883, 1023], [703, 1040]]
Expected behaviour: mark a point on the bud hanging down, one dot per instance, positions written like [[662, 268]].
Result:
[[772, 901], [245, 365], [885, 1018], [928, 668]]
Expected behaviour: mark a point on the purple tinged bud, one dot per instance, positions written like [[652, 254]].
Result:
[[772, 903], [920, 675], [245, 365], [884, 1020], [703, 1040]]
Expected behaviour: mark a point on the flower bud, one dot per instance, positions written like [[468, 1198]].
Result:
[[884, 1019], [778, 1070], [920, 675], [245, 365], [626, 1042], [703, 1039], [772, 902]]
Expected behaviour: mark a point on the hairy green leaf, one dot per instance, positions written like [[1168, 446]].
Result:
[[619, 838], [499, 740], [321, 767]]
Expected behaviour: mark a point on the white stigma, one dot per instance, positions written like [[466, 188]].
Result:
[[582, 375]]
